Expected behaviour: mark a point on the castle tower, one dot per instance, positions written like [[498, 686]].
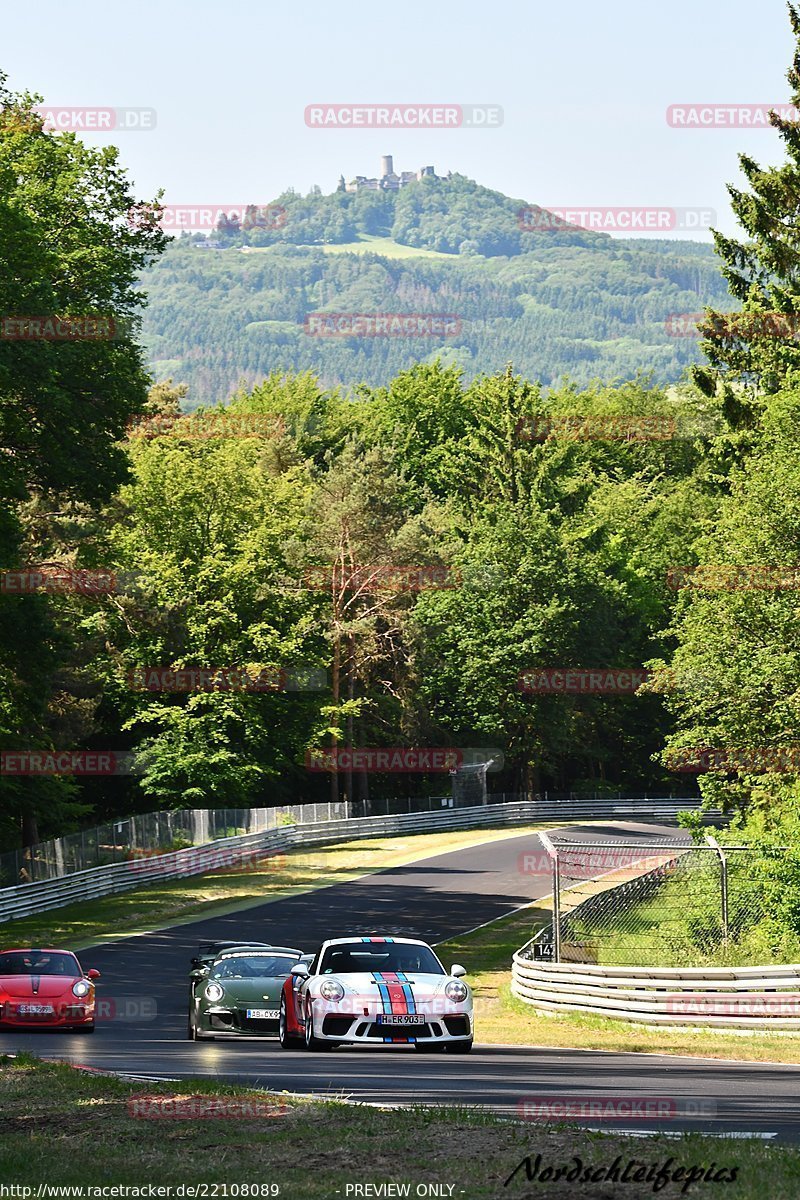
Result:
[[387, 165]]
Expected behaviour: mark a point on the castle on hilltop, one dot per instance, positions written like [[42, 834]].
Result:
[[388, 181]]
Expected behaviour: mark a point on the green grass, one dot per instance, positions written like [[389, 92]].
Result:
[[368, 243], [64, 1127]]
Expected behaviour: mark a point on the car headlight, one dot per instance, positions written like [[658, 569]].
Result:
[[331, 989], [81, 988], [214, 992], [456, 991]]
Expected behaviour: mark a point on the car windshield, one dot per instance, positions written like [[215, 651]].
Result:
[[253, 966], [381, 957], [38, 962]]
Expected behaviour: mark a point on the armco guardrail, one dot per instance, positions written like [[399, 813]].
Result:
[[28, 898], [732, 997]]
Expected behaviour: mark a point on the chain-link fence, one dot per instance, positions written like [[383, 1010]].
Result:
[[160, 832], [665, 902], [151, 833]]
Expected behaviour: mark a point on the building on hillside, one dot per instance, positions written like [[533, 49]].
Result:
[[388, 180]]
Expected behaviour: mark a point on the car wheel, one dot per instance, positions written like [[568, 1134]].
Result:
[[429, 1047], [314, 1043], [289, 1041], [459, 1047]]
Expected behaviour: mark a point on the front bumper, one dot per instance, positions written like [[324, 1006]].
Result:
[[234, 1022], [439, 1028], [64, 1016]]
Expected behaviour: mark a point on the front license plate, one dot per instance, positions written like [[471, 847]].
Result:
[[35, 1010], [401, 1019], [262, 1014]]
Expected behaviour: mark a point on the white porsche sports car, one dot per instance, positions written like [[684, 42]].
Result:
[[376, 991]]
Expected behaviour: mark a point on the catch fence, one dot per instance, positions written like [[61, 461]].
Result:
[[152, 833], [661, 902]]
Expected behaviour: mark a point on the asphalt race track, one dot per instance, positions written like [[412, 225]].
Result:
[[435, 899]]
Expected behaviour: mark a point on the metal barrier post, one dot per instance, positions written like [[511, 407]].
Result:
[[553, 853], [723, 879]]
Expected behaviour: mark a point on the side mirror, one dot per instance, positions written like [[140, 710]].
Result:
[[93, 973], [300, 970], [198, 973], [457, 971]]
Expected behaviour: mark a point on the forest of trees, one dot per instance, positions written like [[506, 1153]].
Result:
[[562, 546], [555, 303]]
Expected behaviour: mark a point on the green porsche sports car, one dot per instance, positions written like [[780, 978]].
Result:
[[237, 992]]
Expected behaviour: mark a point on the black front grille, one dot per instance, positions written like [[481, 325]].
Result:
[[256, 1024], [457, 1026], [336, 1026], [415, 1031]]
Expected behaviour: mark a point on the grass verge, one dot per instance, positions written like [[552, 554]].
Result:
[[177, 900], [502, 1019], [64, 1127]]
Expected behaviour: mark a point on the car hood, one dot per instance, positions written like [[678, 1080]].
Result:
[[36, 987], [248, 991], [383, 986]]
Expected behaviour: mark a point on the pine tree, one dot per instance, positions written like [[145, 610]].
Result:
[[750, 353]]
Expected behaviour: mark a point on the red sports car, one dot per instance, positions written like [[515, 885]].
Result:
[[45, 989]]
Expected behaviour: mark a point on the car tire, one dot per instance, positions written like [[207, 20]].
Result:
[[463, 1047], [311, 1042], [289, 1041]]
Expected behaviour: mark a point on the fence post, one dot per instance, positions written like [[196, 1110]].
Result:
[[723, 877], [553, 853]]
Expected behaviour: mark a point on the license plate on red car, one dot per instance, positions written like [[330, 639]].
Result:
[[400, 1019], [35, 1010]]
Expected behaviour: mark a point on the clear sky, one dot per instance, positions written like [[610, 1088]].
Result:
[[584, 89]]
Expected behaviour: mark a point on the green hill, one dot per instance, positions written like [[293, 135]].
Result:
[[567, 301]]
